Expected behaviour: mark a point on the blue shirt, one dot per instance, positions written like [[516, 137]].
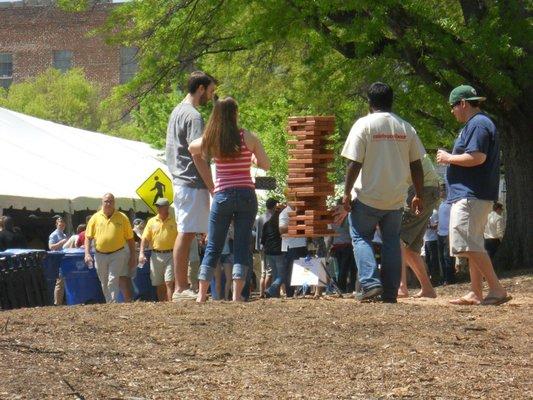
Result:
[[482, 181], [431, 233], [56, 236], [444, 218]]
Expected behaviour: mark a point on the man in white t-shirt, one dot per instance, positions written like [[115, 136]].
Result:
[[383, 151]]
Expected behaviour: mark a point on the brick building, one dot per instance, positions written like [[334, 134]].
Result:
[[36, 35]]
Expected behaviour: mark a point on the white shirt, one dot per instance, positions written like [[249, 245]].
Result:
[[494, 228], [289, 242], [385, 145]]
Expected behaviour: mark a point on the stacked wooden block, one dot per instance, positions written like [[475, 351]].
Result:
[[308, 185]]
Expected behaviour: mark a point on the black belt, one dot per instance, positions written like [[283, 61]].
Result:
[[162, 251], [110, 252]]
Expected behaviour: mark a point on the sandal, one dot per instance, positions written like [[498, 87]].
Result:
[[495, 301]]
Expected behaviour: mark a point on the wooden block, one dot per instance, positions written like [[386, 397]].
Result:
[[310, 142], [316, 194], [300, 180], [313, 169]]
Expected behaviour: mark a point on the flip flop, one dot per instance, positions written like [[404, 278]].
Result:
[[495, 301], [461, 301]]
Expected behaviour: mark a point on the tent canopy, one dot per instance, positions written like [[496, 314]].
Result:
[[49, 166]]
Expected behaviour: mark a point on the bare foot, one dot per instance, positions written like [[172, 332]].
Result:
[[201, 299], [402, 294], [470, 299], [429, 295]]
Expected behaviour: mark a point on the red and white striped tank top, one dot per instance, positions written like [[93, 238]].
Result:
[[234, 172]]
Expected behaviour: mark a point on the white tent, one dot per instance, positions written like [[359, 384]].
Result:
[[48, 166]]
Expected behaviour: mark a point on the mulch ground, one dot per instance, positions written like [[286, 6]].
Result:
[[272, 349]]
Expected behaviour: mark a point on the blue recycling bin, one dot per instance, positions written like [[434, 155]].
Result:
[[51, 272], [82, 285]]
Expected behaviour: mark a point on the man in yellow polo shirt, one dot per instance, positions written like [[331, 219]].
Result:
[[161, 232], [111, 230]]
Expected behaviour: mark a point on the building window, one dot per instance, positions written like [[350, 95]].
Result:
[[62, 60], [128, 63], [6, 70]]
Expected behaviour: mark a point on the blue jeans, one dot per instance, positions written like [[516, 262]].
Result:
[[446, 262], [291, 255], [363, 220], [239, 205], [277, 264]]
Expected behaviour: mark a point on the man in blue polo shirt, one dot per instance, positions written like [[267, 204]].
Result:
[[473, 177]]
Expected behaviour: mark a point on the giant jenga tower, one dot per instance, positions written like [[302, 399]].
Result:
[[308, 185]]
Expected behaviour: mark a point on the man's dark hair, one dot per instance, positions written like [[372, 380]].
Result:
[[197, 79], [473, 103], [271, 203], [497, 206], [380, 96]]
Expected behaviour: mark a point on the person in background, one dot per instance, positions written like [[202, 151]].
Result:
[[384, 150], [9, 237], [446, 262], [414, 228], [273, 261], [473, 179], [57, 239], [80, 242], [71, 242], [160, 233], [431, 247], [191, 192], [233, 150], [226, 261], [111, 231], [138, 228], [194, 260], [494, 230], [342, 250]]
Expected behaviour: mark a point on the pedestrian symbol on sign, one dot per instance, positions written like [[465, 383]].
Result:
[[157, 186]]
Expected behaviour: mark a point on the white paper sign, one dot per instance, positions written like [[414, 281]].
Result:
[[309, 272]]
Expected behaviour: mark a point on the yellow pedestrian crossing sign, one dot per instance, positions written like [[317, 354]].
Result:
[[157, 186]]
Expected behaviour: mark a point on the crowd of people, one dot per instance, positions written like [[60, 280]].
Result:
[[393, 200]]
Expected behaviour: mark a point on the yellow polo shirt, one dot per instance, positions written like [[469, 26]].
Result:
[[110, 234], [161, 234]]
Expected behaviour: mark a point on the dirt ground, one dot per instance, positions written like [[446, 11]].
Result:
[[272, 349]]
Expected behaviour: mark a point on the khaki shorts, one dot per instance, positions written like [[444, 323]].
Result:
[[161, 268], [192, 209], [414, 226], [266, 269], [468, 218]]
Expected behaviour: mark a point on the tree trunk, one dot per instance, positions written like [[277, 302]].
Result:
[[516, 250]]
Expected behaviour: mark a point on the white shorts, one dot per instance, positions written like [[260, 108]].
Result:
[[468, 218], [161, 268], [192, 209]]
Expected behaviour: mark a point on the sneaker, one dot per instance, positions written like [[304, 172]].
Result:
[[187, 294], [370, 294]]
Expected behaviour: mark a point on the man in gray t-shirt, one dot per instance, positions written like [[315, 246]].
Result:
[[185, 125], [191, 192]]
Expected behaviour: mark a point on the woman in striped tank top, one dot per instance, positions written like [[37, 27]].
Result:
[[233, 150]]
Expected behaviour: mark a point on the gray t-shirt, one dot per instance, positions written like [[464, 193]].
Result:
[[185, 125]]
